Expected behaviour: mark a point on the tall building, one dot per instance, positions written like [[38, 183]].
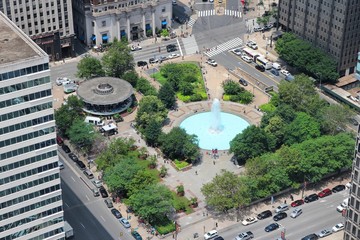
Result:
[[352, 227], [357, 69], [48, 22], [332, 25], [30, 193], [100, 21]]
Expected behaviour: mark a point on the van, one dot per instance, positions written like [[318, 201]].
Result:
[[343, 205], [94, 120], [276, 66], [88, 174], [108, 203]]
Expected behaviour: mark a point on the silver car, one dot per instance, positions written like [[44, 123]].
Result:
[[282, 208], [97, 183], [296, 212], [324, 233], [125, 222]]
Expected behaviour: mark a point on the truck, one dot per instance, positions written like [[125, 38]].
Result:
[[69, 231], [245, 236]]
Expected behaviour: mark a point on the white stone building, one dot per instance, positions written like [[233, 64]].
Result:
[[109, 19], [30, 192]]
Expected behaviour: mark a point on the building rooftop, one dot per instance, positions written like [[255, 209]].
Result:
[[343, 81], [104, 91], [15, 45]]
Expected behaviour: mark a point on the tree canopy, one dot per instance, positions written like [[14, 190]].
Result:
[[89, 67], [68, 113], [167, 95], [144, 86], [82, 134], [150, 108]]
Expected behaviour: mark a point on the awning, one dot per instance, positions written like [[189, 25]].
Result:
[[105, 37], [93, 38], [164, 22]]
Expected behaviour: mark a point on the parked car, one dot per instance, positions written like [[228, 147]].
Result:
[[297, 203], [88, 173], [65, 148], [108, 203], [348, 185], [338, 188], [62, 81], [324, 233], [61, 165], [282, 208], [173, 55], [312, 236], [141, 63], [243, 82], [116, 213], [264, 214], [272, 227], [211, 62], [59, 140], [261, 68], [125, 222], [258, 29], [163, 58], [338, 227], [249, 220], [311, 198], [275, 72], [135, 48], [103, 192], [96, 183], [324, 193], [211, 234], [284, 72], [81, 165], [245, 236], [237, 51], [343, 205], [296, 212], [218, 238], [73, 157], [280, 216], [135, 234], [246, 58], [153, 60]]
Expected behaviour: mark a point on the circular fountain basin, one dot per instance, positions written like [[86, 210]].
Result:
[[200, 125]]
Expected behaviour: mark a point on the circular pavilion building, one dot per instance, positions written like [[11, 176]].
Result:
[[105, 96]]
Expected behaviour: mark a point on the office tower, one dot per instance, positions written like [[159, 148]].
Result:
[[332, 25], [30, 193], [48, 22]]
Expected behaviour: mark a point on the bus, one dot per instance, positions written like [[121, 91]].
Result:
[[251, 53], [260, 60]]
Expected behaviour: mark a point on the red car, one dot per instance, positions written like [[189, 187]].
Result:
[[59, 140], [297, 203], [324, 193]]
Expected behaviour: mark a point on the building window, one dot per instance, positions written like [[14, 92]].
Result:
[[163, 9], [103, 23]]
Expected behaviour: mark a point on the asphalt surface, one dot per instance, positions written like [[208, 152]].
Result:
[[88, 215]]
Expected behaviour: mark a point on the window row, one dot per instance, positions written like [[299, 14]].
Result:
[[36, 228], [25, 111], [26, 137], [24, 85], [28, 161], [47, 234], [26, 124], [30, 219], [28, 173], [30, 207], [27, 149], [24, 71], [26, 98], [29, 196]]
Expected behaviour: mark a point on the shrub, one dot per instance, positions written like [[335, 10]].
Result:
[[232, 88], [246, 97], [267, 107], [235, 98], [180, 204], [180, 164], [165, 227], [196, 97]]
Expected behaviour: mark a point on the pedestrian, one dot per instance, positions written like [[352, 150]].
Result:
[[214, 161], [291, 197], [285, 201], [216, 224], [196, 173]]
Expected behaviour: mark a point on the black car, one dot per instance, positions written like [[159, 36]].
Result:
[[73, 157], [261, 68], [141, 63], [136, 235], [272, 227], [171, 49], [103, 192], [80, 164], [338, 188], [280, 216], [218, 238], [312, 236], [116, 213], [65, 148], [311, 198], [264, 214], [275, 72], [243, 82]]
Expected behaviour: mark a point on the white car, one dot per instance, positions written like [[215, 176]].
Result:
[[324, 233], [211, 62], [252, 45], [246, 59], [282, 208], [348, 185], [296, 212], [237, 51], [125, 223], [211, 234], [249, 220], [284, 72], [62, 81], [338, 227], [97, 183], [135, 48], [173, 55]]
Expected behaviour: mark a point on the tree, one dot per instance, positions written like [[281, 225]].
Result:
[[141, 180], [150, 108], [177, 144], [334, 118], [226, 191], [89, 67], [67, 113], [118, 60], [152, 132], [232, 88], [167, 95], [186, 89], [153, 203], [82, 134], [304, 127], [252, 142], [144, 86], [276, 127], [131, 77]]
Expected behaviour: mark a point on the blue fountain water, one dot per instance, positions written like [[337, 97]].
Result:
[[214, 129]]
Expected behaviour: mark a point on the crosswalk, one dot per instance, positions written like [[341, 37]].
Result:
[[191, 22], [211, 12], [224, 47]]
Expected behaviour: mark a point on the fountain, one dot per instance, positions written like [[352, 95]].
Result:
[[214, 129]]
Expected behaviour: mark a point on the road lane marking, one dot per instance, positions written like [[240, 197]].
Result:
[[87, 197], [73, 179], [103, 218], [83, 225], [181, 53]]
